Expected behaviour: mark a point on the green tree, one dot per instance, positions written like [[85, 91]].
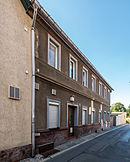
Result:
[[128, 111], [118, 107]]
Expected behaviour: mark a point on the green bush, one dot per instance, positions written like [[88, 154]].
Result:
[[128, 121]]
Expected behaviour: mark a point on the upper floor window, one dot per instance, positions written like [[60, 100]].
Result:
[[93, 83], [54, 53], [85, 77], [105, 92], [108, 95], [73, 68], [100, 89]]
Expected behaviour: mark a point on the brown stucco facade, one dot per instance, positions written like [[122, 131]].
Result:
[[53, 86], [49, 78], [15, 70]]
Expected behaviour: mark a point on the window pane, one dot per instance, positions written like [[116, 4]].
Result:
[[84, 80], [99, 117], [11, 92], [93, 116], [84, 117], [93, 84], [71, 69], [100, 89], [52, 55], [53, 116], [17, 93], [104, 116]]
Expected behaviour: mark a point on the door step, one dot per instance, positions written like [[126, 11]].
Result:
[[50, 152], [71, 138], [47, 149]]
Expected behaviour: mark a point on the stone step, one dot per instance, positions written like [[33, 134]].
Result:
[[50, 152], [45, 147]]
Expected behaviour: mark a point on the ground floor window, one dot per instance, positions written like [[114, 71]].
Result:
[[104, 116], [53, 114], [100, 117], [93, 117], [108, 117], [84, 116]]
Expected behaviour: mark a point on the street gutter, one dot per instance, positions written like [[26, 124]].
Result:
[[61, 152]]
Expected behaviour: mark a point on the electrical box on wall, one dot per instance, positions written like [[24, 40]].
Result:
[[37, 86], [53, 92]]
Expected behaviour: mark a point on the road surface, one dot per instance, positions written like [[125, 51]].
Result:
[[113, 146]]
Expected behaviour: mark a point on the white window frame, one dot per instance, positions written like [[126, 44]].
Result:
[[58, 52], [14, 91], [105, 94], [94, 90], [85, 108], [100, 94], [75, 70], [57, 103], [86, 71]]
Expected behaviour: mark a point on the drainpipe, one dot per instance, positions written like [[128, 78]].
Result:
[[33, 77]]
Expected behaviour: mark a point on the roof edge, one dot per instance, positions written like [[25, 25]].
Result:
[[28, 5]]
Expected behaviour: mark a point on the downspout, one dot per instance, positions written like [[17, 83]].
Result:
[[33, 77]]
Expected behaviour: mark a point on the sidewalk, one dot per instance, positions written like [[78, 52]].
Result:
[[71, 144]]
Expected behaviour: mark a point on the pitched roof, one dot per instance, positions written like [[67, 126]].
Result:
[[55, 27]]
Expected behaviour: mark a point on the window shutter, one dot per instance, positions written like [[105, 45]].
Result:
[[86, 117], [83, 117], [53, 116]]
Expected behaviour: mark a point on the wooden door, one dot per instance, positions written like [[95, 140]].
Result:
[[71, 121]]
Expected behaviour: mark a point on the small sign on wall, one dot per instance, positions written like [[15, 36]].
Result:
[[53, 92], [37, 86], [71, 130]]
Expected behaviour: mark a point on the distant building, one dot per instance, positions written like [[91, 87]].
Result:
[[118, 118]]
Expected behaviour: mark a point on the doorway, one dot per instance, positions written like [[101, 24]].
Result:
[[72, 119]]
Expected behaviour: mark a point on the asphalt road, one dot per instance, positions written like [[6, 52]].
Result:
[[111, 147]]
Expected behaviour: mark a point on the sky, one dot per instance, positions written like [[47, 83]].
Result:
[[101, 30]]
